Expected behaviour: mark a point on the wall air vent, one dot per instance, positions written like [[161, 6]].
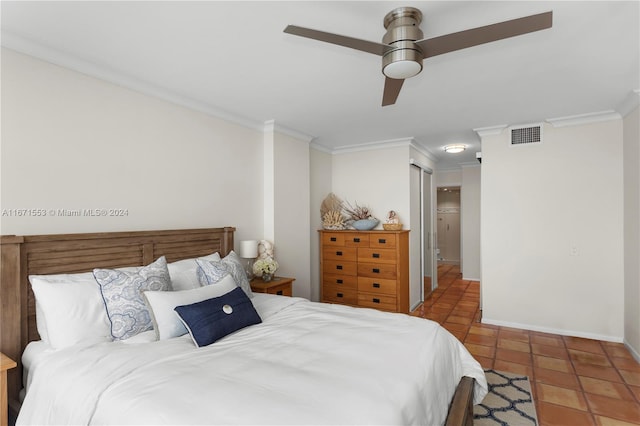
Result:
[[526, 135]]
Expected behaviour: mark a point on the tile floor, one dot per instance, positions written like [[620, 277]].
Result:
[[574, 381]]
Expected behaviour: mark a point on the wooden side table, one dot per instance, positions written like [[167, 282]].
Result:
[[278, 285], [6, 363]]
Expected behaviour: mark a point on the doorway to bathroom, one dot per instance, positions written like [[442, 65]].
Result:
[[448, 225]]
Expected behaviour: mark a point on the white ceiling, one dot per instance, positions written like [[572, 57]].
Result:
[[232, 59]]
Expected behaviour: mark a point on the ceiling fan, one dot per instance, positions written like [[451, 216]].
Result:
[[403, 48]]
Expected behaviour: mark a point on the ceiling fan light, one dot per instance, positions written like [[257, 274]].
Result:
[[402, 69], [454, 149]]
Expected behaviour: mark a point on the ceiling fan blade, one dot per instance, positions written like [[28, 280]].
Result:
[[340, 40], [488, 33], [391, 91]]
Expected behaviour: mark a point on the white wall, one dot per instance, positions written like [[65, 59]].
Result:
[[632, 231], [73, 142], [448, 178], [70, 141], [552, 235], [320, 183], [291, 211], [377, 179], [470, 222], [380, 179]]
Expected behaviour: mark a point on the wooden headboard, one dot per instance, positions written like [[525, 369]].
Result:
[[22, 256]]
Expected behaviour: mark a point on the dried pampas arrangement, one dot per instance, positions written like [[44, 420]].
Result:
[[331, 212]]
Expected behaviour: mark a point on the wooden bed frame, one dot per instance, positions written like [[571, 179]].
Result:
[[22, 256]]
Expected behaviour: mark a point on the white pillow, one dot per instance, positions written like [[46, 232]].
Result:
[[161, 304], [183, 272], [69, 309]]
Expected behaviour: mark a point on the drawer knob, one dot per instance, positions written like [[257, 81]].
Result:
[[356, 240], [339, 281], [339, 294], [333, 239], [376, 270], [376, 285], [338, 253], [382, 241], [338, 266], [376, 255], [375, 300]]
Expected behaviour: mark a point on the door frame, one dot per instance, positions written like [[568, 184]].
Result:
[[431, 234]]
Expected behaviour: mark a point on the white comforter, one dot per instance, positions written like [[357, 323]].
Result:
[[307, 363]]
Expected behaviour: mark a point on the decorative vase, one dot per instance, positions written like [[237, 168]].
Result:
[[267, 277], [365, 224]]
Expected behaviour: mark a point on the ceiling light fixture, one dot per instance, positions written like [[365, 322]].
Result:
[[454, 149], [404, 58], [401, 69]]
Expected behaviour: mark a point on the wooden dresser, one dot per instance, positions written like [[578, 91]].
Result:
[[281, 286], [365, 268]]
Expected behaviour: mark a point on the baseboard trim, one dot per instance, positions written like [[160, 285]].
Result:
[[562, 332], [633, 351]]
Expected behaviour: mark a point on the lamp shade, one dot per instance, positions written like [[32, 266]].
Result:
[[249, 249]]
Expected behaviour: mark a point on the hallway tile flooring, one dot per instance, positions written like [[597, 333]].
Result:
[[574, 381]]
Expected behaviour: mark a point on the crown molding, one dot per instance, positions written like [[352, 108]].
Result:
[[104, 72], [450, 169], [385, 144], [272, 126], [372, 146], [581, 119], [631, 102], [424, 151], [321, 148], [491, 130], [470, 164]]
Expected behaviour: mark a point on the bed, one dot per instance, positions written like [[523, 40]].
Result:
[[301, 363]]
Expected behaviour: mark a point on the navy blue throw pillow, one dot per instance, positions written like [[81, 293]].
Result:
[[212, 319]]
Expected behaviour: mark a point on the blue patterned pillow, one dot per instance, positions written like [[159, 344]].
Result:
[[212, 319], [237, 271], [122, 294], [211, 271]]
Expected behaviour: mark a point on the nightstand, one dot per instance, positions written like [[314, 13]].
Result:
[[6, 363], [278, 285]]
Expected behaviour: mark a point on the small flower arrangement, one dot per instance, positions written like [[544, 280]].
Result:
[[265, 266]]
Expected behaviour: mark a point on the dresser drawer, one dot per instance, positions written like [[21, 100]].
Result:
[[341, 281], [377, 255], [333, 239], [281, 290], [377, 285], [377, 270], [356, 239], [378, 301], [340, 267], [383, 241], [332, 293], [340, 253]]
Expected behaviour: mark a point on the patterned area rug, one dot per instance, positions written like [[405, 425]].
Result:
[[508, 402]]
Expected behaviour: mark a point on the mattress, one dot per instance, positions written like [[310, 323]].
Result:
[[306, 363]]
